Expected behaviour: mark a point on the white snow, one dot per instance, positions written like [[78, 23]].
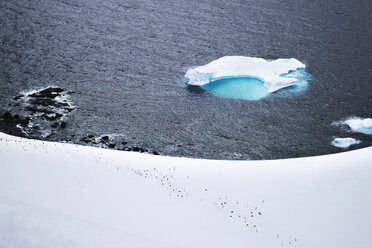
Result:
[[345, 142], [64, 195], [239, 66], [359, 124]]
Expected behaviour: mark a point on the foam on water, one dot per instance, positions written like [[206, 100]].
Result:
[[345, 142], [248, 78]]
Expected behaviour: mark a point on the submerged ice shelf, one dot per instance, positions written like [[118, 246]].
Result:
[[247, 78], [239, 88]]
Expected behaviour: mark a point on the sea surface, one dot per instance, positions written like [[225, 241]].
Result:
[[122, 63]]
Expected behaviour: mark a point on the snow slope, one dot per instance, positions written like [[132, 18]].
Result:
[[64, 195]]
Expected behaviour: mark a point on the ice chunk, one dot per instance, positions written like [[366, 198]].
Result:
[[360, 125], [275, 74], [345, 142]]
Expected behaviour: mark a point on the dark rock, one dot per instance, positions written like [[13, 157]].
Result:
[[50, 102], [85, 139], [111, 145], [50, 92], [138, 149], [54, 125], [40, 107], [20, 119], [124, 143], [8, 124], [35, 109], [155, 153], [63, 124], [7, 115], [18, 97], [43, 102], [135, 149], [52, 116], [104, 139], [90, 136]]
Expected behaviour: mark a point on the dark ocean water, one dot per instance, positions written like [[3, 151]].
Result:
[[123, 62]]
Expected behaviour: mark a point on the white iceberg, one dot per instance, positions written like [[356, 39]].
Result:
[[271, 73], [345, 142], [359, 125]]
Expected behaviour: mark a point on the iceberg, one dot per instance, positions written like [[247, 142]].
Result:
[[345, 142], [273, 74], [359, 125]]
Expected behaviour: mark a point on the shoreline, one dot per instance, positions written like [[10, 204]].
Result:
[[9, 123]]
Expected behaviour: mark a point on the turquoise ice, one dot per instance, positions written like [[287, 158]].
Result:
[[250, 78], [239, 88], [253, 89]]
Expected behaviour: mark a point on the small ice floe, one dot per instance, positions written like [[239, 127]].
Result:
[[345, 143], [359, 125], [247, 78]]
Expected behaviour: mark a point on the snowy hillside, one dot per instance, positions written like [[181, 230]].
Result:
[[64, 195]]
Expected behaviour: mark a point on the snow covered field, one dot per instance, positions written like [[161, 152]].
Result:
[[64, 195]]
